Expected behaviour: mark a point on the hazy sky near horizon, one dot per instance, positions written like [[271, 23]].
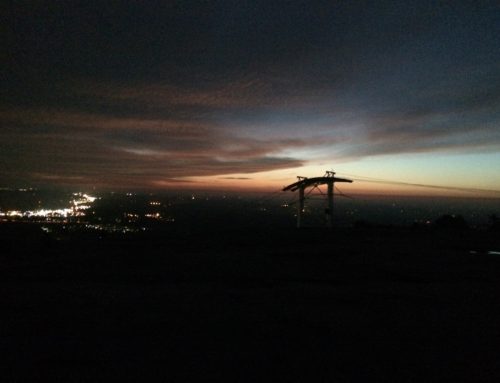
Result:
[[145, 94]]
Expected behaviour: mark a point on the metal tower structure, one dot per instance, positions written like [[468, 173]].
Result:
[[303, 183]]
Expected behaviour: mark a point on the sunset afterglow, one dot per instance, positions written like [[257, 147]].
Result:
[[233, 96]]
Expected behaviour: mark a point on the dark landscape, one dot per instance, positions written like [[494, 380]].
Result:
[[225, 301]]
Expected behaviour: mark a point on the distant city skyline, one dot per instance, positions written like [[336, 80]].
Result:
[[249, 95]]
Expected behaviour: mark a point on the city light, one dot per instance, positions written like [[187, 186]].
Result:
[[79, 205], [153, 215]]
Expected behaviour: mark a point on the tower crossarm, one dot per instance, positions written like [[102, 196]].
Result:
[[315, 181]]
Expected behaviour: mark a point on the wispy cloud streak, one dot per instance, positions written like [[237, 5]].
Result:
[[224, 89]]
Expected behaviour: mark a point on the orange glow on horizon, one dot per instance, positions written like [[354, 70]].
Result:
[[242, 184]]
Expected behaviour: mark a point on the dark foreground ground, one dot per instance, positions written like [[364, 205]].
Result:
[[364, 305]]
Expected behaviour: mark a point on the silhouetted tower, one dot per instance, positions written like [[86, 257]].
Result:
[[303, 183]]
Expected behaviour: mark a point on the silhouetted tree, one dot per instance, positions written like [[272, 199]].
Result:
[[494, 222], [361, 224], [451, 222]]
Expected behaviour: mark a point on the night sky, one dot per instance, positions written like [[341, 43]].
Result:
[[240, 93]]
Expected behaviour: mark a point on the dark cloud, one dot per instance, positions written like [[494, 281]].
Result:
[[107, 150], [127, 94], [235, 178]]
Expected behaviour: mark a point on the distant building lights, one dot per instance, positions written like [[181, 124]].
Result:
[[79, 205], [153, 215], [90, 198]]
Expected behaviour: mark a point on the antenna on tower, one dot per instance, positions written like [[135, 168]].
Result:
[[303, 183]]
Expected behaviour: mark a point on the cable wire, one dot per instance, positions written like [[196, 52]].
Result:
[[389, 182]]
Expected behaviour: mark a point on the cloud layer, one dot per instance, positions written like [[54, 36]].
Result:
[[118, 96]]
